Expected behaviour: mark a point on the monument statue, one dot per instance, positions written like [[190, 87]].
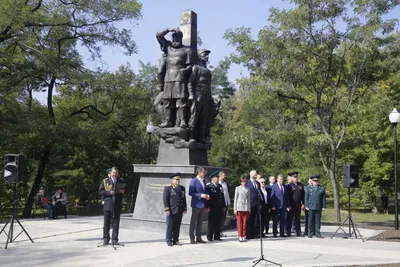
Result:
[[199, 86], [185, 99], [174, 78]]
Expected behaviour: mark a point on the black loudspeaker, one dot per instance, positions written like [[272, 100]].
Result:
[[350, 176], [14, 165]]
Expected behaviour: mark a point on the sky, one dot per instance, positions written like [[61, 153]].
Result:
[[213, 19]]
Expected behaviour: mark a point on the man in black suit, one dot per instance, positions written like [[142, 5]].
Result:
[[217, 206], [296, 199], [112, 201], [280, 205], [270, 212], [252, 222]]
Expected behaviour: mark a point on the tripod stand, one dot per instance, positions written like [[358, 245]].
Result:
[[259, 206], [352, 227], [12, 220]]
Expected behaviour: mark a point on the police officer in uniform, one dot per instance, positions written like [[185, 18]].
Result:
[[315, 203], [217, 206], [174, 198], [112, 201], [296, 199]]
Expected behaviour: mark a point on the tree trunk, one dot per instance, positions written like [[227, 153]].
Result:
[[336, 195], [38, 180]]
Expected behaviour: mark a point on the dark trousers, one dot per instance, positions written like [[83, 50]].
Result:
[[268, 217], [314, 222], [293, 216], [252, 223], [111, 217], [174, 226], [279, 214], [196, 221], [305, 222], [214, 224], [264, 220], [166, 228]]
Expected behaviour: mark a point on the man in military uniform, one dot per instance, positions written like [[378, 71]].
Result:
[[199, 86], [112, 202], [217, 206], [174, 198], [296, 199], [315, 203], [306, 188], [173, 74]]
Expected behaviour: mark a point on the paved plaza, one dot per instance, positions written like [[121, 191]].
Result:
[[73, 242]]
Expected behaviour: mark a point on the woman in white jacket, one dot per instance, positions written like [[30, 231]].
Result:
[[241, 207]]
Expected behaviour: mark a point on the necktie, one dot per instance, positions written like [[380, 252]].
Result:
[[255, 186], [281, 188]]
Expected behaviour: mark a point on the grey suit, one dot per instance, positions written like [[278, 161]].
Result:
[[242, 199]]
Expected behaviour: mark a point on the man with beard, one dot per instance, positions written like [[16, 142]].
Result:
[[177, 68]]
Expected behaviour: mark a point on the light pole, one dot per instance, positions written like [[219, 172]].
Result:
[[149, 130], [394, 118]]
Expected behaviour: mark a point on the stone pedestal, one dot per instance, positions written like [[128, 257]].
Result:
[[149, 201]]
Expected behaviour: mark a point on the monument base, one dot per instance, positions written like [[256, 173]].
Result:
[[149, 204], [196, 154]]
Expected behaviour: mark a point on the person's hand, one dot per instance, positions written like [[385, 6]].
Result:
[[185, 212], [167, 213], [273, 209], [112, 193], [207, 209], [122, 191], [302, 207], [323, 208], [235, 212], [288, 209], [307, 209], [269, 210], [191, 97], [223, 209]]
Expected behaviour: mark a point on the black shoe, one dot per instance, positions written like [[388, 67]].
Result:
[[209, 239], [169, 244], [177, 243], [218, 239], [106, 243], [309, 236], [298, 234], [283, 236], [319, 236], [116, 243], [222, 235], [274, 235]]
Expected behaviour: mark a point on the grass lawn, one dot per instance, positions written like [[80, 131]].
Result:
[[328, 215]]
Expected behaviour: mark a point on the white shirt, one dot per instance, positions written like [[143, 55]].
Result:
[[201, 181], [254, 183], [265, 194], [282, 188], [226, 193]]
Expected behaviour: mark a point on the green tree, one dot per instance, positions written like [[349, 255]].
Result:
[[322, 60]]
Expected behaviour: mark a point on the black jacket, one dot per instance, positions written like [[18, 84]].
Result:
[[174, 198], [217, 199], [111, 203]]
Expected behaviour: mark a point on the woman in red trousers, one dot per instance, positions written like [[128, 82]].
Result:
[[241, 207]]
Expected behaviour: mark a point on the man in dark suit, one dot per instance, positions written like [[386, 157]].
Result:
[[112, 205], [198, 192], [174, 198], [280, 205], [252, 222], [217, 206], [296, 199], [270, 212]]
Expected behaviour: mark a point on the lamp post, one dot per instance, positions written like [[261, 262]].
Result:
[[149, 130], [394, 118]]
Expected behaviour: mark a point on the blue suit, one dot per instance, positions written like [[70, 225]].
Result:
[[280, 201], [198, 204], [195, 191], [253, 220]]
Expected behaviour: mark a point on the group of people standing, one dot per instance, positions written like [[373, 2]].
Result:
[[256, 202]]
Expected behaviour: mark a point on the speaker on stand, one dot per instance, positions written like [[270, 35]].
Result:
[[350, 180], [14, 165]]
